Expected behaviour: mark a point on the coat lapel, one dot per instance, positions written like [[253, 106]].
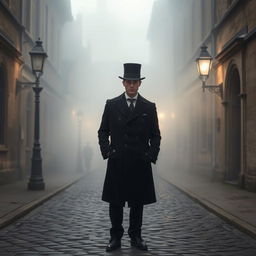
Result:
[[123, 107]]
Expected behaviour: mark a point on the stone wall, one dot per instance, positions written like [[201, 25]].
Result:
[[241, 16], [10, 39]]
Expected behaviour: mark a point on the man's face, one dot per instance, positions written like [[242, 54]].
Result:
[[131, 87]]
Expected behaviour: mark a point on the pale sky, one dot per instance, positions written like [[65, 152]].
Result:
[[115, 29]]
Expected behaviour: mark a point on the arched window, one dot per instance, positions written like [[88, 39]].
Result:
[[2, 104]]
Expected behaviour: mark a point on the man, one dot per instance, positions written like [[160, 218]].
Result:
[[129, 137]]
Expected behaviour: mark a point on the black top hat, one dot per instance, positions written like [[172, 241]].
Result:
[[132, 72]]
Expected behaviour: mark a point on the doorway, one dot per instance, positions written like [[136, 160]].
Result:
[[233, 127]]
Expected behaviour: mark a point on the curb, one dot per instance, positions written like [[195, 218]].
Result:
[[220, 212], [23, 210]]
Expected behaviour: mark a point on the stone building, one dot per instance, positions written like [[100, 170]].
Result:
[[187, 132], [44, 20], [212, 135], [10, 62], [24, 22], [235, 32]]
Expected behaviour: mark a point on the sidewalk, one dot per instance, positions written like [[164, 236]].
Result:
[[234, 205], [16, 200]]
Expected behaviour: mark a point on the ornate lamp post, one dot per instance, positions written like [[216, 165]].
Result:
[[204, 64], [38, 57]]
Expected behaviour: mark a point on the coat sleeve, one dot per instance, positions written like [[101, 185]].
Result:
[[104, 132], [155, 137]]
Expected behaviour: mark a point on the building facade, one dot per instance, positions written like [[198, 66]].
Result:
[[188, 124], [213, 134], [22, 24], [235, 32], [45, 20], [10, 63]]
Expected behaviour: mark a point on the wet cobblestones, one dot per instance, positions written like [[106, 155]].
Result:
[[76, 222]]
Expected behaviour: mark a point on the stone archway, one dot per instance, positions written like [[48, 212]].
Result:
[[233, 127]]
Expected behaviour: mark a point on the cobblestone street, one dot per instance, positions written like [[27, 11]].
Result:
[[75, 222]]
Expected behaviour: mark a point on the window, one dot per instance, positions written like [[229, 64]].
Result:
[[2, 104]]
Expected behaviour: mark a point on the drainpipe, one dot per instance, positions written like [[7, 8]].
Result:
[[243, 119]]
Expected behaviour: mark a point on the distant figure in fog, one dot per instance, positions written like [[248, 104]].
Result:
[[87, 152], [129, 138]]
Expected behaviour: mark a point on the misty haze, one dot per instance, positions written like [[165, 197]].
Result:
[[95, 159], [103, 36]]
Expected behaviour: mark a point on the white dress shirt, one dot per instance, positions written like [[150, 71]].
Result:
[[129, 102]]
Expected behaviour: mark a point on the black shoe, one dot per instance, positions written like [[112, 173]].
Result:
[[139, 243], [113, 245]]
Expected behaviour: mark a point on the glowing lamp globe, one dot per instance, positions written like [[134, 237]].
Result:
[[204, 63]]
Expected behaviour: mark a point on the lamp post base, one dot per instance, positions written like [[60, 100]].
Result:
[[36, 184]]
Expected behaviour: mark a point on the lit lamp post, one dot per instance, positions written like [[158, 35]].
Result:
[[38, 57], [204, 64], [79, 166]]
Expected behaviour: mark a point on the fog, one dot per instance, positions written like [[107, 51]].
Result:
[[105, 34]]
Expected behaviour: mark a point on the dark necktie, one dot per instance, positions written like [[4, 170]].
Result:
[[131, 107]]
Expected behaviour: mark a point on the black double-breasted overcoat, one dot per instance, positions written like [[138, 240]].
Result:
[[131, 142]]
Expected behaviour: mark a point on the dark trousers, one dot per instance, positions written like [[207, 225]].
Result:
[[116, 218]]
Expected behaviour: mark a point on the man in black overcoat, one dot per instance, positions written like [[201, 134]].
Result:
[[129, 137]]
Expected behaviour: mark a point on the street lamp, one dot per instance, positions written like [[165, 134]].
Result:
[[38, 57], [204, 64]]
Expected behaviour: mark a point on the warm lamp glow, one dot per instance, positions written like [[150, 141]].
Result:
[[161, 115], [204, 67], [204, 63], [73, 113]]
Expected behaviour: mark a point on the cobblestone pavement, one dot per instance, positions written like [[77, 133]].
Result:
[[75, 222]]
